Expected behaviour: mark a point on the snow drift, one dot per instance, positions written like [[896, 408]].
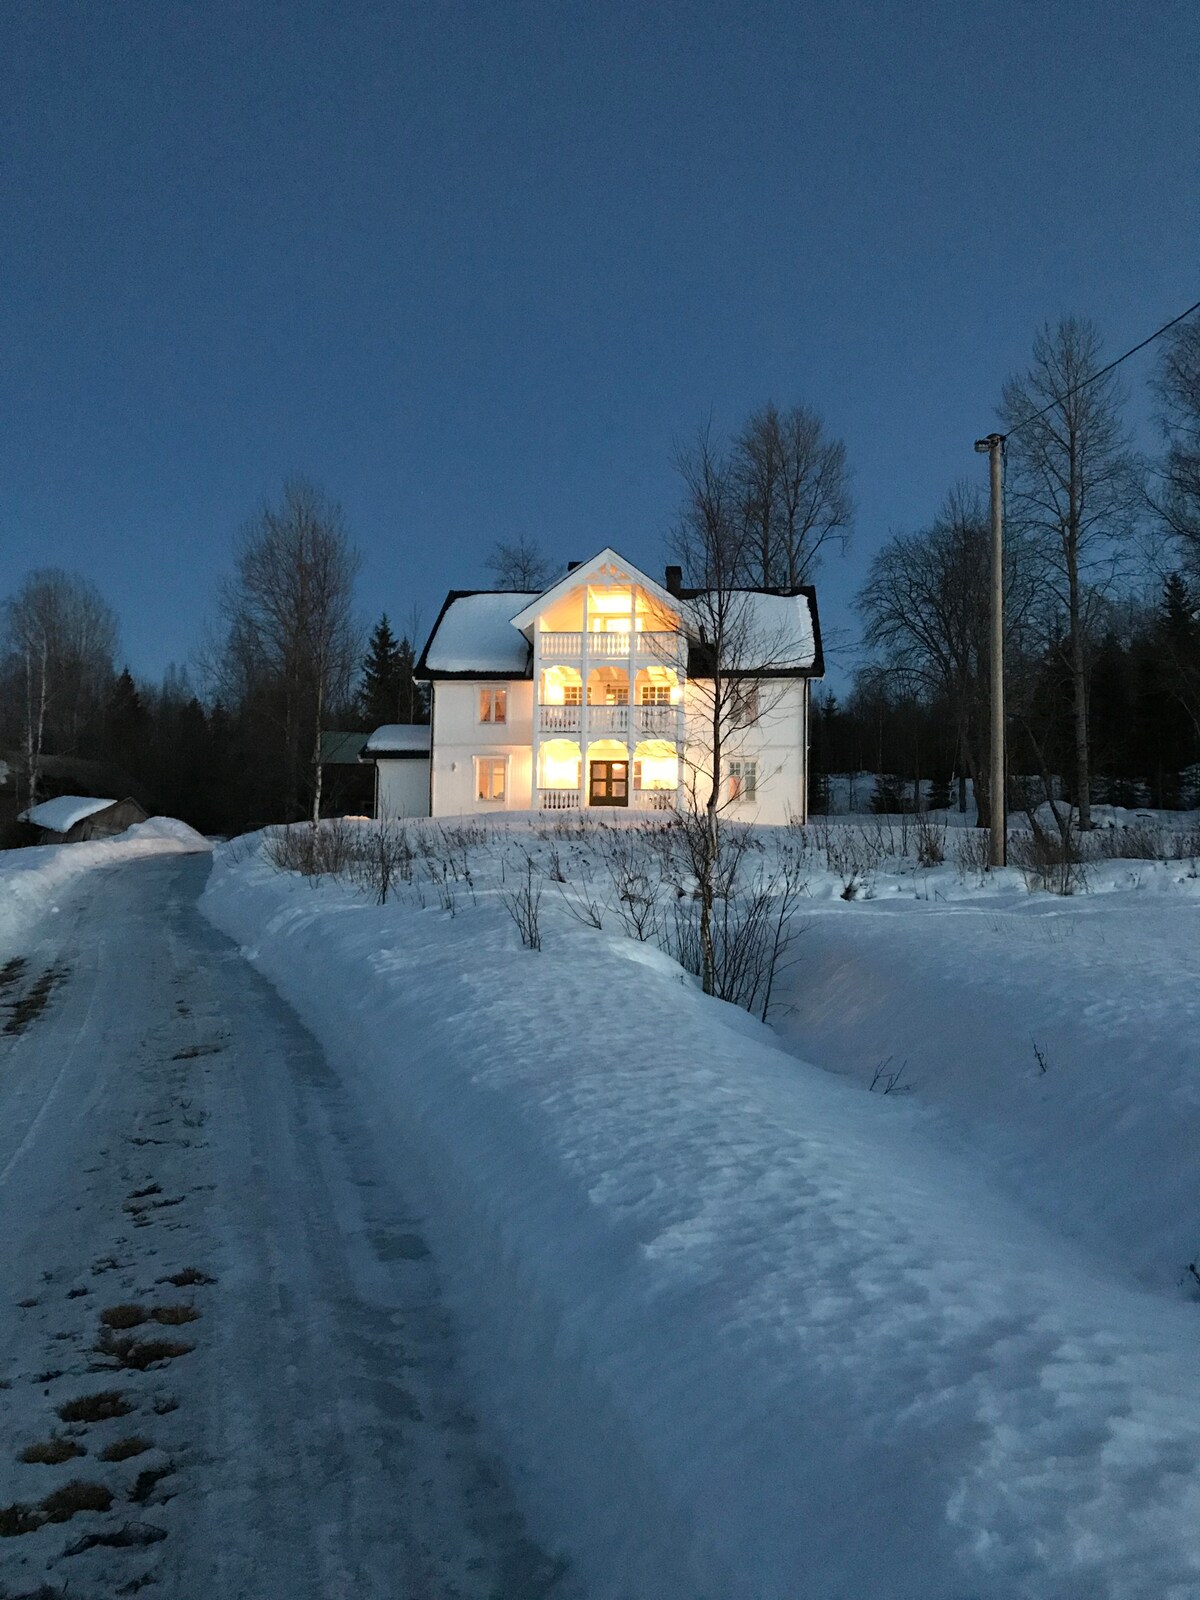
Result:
[[30, 879], [746, 1331]]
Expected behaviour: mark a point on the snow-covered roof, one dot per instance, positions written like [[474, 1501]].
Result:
[[475, 634], [400, 739], [61, 814], [779, 631]]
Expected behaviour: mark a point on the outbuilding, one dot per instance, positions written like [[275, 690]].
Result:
[[400, 752], [69, 818]]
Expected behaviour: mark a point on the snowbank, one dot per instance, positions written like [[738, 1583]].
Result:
[[30, 879], [747, 1331]]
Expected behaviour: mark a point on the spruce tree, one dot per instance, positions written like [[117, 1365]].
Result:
[[381, 691]]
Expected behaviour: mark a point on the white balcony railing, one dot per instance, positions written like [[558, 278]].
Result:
[[669, 649], [660, 722], [608, 719], [561, 646], [655, 799], [558, 799], [558, 719]]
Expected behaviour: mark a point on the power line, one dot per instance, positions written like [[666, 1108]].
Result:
[[1096, 376]]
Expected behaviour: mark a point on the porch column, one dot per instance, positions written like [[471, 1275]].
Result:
[[583, 706]]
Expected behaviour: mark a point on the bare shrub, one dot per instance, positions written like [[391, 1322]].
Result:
[[971, 852], [1048, 861], [383, 859], [929, 838], [635, 869], [314, 850], [522, 904], [753, 926]]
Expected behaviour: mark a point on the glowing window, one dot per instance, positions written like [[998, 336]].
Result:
[[491, 777], [656, 694], [572, 694], [493, 705]]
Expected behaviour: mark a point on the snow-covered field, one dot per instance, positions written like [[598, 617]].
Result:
[[745, 1329]]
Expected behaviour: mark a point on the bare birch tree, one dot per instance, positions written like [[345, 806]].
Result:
[[290, 645], [522, 566], [1073, 490], [60, 638], [926, 605], [794, 486], [735, 682]]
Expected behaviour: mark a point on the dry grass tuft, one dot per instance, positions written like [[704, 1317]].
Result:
[[95, 1407], [187, 1278], [123, 1449], [52, 1452], [175, 1316], [124, 1316], [139, 1354], [74, 1497]]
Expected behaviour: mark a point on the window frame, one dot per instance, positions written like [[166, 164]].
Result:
[[493, 697], [492, 764], [742, 778]]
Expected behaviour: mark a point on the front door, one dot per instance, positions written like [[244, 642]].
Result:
[[609, 783]]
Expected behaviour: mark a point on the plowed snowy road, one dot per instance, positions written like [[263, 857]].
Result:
[[167, 1112]]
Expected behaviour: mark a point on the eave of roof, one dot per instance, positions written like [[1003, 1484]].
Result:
[[424, 673]]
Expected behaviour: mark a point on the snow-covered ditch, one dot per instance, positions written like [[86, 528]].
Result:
[[745, 1330], [31, 878]]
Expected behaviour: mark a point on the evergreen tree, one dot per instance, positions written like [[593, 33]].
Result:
[[380, 690], [388, 692], [128, 725]]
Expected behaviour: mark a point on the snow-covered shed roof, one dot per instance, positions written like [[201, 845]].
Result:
[[474, 637], [401, 739], [62, 813]]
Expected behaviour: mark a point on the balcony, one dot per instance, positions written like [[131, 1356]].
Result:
[[660, 722], [648, 722], [668, 649], [558, 800]]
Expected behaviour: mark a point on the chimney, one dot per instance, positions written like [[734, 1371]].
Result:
[[571, 565], [674, 580]]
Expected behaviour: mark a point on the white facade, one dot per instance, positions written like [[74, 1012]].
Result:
[[401, 788], [579, 698]]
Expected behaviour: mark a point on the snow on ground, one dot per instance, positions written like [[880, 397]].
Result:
[[747, 1330], [31, 879], [177, 1156]]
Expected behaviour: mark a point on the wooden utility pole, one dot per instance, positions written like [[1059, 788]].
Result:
[[993, 448]]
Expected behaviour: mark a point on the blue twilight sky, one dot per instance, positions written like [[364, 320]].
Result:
[[474, 266]]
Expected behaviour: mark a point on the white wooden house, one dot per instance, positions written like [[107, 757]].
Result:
[[597, 692]]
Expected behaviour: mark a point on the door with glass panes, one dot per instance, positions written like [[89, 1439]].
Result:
[[608, 783]]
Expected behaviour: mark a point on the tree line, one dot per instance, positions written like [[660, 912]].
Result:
[[1102, 621], [234, 742], [1102, 584]]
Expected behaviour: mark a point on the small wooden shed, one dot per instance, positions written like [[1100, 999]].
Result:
[[69, 818]]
